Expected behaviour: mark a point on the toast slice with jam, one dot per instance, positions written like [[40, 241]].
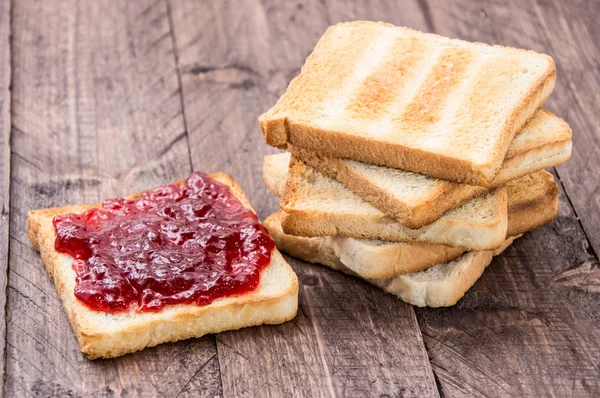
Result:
[[272, 299]]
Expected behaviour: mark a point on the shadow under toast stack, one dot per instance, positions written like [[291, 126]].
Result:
[[412, 159]]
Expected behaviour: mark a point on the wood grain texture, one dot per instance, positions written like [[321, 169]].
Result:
[[235, 60], [107, 95], [570, 33], [4, 166], [347, 340], [529, 326], [230, 73], [96, 114]]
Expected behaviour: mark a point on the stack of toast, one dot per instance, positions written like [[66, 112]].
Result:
[[412, 159]]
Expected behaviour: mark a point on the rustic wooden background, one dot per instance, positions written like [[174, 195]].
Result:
[[103, 98]]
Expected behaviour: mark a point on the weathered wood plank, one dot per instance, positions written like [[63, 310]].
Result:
[[235, 60], [569, 32], [230, 72], [530, 325], [97, 113], [4, 167]]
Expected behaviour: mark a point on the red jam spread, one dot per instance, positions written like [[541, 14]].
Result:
[[173, 245]]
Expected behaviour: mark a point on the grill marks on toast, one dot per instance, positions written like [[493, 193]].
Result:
[[495, 79], [386, 81], [427, 107], [420, 102], [350, 91], [309, 84], [400, 82]]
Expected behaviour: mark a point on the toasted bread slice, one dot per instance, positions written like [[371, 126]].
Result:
[[371, 258], [387, 95], [275, 172], [316, 205], [544, 142], [532, 202], [441, 285], [415, 200], [106, 335]]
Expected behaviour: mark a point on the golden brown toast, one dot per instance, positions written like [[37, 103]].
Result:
[[393, 96], [532, 202], [415, 200], [316, 205], [402, 269]]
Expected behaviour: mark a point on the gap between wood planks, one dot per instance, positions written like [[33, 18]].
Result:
[[215, 357], [5, 159], [585, 233], [176, 60]]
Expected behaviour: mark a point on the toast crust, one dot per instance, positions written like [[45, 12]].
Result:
[[540, 198], [421, 290], [544, 142], [292, 119], [532, 202], [368, 258], [304, 218], [440, 285], [104, 335], [412, 215]]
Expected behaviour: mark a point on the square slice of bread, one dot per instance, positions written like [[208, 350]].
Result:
[[532, 202], [415, 200], [393, 96], [316, 205], [106, 335], [441, 285]]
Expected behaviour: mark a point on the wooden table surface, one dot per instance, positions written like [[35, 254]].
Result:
[[103, 98]]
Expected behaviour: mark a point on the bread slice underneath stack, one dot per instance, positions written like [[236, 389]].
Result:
[[533, 202], [106, 335], [387, 95], [316, 205], [441, 285], [416, 200]]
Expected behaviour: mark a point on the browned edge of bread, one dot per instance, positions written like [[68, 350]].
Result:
[[447, 197], [532, 157], [533, 202], [315, 222], [526, 211]]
